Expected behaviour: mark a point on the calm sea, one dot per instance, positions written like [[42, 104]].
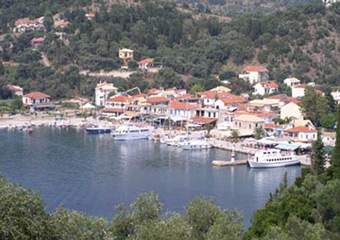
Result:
[[93, 173]]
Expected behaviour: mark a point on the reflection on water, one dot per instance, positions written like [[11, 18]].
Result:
[[93, 173]]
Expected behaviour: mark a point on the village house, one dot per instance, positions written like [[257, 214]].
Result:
[[298, 91], [254, 74], [246, 124], [62, 24], [264, 105], [116, 105], [37, 101], [208, 98], [25, 25], [229, 101], [291, 82], [274, 129], [155, 100], [16, 90], [127, 55], [90, 16], [102, 92], [291, 111], [145, 64], [220, 89], [283, 99], [302, 134], [265, 88], [37, 41], [207, 113], [328, 138], [182, 110], [336, 96], [139, 104]]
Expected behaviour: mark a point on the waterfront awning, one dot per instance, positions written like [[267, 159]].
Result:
[[177, 118], [288, 147], [265, 141]]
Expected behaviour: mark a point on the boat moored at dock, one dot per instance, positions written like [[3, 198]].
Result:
[[131, 131], [96, 130], [194, 144], [267, 158]]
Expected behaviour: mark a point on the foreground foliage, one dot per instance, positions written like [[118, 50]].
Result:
[[23, 216]]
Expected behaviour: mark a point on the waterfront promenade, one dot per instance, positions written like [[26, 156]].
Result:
[[238, 147]]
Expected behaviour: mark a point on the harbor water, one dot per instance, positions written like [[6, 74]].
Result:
[[94, 173]]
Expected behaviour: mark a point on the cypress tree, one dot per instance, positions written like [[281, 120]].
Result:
[[318, 156], [336, 151]]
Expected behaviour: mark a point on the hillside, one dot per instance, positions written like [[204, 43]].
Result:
[[302, 41], [233, 8]]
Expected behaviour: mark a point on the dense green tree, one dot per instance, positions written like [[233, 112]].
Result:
[[335, 161], [166, 78], [48, 21], [315, 105], [196, 88], [318, 160], [328, 121], [259, 133]]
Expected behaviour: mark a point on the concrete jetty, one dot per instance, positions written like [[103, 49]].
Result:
[[220, 163], [237, 147]]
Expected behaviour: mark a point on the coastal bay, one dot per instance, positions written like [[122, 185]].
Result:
[[93, 173]]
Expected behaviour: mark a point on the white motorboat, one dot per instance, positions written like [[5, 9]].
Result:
[[131, 132], [176, 140], [267, 158], [194, 144]]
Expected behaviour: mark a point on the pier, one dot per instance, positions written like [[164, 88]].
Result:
[[220, 163], [237, 147]]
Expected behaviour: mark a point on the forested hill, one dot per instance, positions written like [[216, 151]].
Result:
[[234, 8], [302, 41]]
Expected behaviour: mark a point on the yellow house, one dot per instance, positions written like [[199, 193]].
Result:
[[220, 89], [291, 110], [126, 54]]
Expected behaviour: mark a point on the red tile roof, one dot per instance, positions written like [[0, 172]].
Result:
[[119, 99], [255, 69], [211, 94], [38, 40], [37, 95], [284, 98], [140, 95], [64, 23], [231, 98], [300, 86], [145, 61], [13, 88], [115, 110], [153, 90], [179, 105], [203, 120], [270, 84], [271, 125], [158, 99], [90, 15], [300, 129]]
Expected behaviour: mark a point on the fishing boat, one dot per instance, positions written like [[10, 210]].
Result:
[[97, 130], [194, 144], [131, 131], [267, 158]]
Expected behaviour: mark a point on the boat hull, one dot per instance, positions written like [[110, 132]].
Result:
[[125, 137], [194, 147], [254, 164], [98, 130]]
